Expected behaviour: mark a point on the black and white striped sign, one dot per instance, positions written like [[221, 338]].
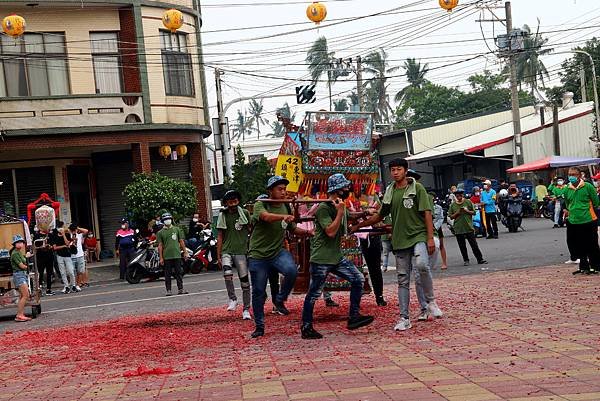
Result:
[[306, 94]]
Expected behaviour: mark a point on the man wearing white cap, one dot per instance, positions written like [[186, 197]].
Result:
[[488, 200]]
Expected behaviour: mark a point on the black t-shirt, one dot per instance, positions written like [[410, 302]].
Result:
[[57, 239], [194, 230], [42, 252]]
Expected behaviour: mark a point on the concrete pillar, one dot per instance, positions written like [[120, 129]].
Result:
[[200, 179], [140, 154]]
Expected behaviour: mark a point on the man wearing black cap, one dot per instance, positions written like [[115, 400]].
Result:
[[462, 212], [125, 241], [266, 254]]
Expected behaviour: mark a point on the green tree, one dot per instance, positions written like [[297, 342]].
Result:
[[353, 98], [147, 194], [321, 61], [569, 75], [249, 179], [428, 104], [278, 128], [377, 100], [531, 70], [241, 127], [256, 111], [415, 75], [340, 105]]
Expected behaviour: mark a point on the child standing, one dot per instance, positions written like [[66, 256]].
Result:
[[20, 275], [462, 211]]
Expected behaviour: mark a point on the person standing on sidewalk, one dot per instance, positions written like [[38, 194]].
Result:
[[171, 244], [408, 203], [61, 242], [557, 190], [582, 201], [44, 257], [462, 212], [267, 254], [232, 247], [326, 257], [541, 192], [78, 257], [488, 200], [124, 247], [20, 276]]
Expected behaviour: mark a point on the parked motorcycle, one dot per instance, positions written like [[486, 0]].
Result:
[[203, 257], [514, 213], [146, 263], [546, 208]]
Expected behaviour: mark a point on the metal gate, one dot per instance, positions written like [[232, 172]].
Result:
[[31, 183], [179, 168]]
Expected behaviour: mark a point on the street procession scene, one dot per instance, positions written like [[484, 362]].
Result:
[[300, 200]]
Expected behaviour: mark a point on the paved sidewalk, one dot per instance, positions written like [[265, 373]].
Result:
[[520, 335]]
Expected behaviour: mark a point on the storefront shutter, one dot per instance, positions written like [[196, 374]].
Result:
[[31, 183], [179, 168]]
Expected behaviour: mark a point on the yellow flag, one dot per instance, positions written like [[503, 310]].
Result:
[[290, 167]]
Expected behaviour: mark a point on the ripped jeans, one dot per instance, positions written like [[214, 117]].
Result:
[[239, 262], [418, 258]]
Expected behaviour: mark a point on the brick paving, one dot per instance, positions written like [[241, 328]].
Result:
[[528, 334]]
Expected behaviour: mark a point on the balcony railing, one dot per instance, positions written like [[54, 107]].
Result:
[[71, 111]]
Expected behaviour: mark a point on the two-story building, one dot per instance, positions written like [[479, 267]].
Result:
[[88, 95]]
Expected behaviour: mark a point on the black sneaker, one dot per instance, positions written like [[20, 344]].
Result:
[[182, 292], [482, 262], [331, 303], [579, 271], [591, 271], [309, 333], [168, 293], [66, 290], [258, 332], [49, 292], [280, 309], [381, 302], [359, 321]]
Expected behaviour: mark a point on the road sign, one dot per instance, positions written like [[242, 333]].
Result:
[[306, 94]]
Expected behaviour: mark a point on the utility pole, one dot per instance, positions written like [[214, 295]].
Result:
[[223, 131], [359, 83], [514, 91], [583, 85]]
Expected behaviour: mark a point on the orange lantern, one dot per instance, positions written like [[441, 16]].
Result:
[[165, 151], [448, 5], [172, 20], [13, 25], [181, 150], [316, 12]]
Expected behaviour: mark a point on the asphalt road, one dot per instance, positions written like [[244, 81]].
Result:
[[106, 298]]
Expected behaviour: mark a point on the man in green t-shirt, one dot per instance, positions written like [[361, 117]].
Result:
[[582, 225], [271, 220], [462, 212], [408, 203], [232, 247], [170, 246], [331, 223]]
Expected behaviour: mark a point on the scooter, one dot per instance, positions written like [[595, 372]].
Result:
[[202, 258], [146, 263], [514, 213], [546, 208]]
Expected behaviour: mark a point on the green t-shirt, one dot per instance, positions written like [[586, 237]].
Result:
[[235, 238], [556, 191], [463, 224], [169, 238], [581, 203], [325, 250], [408, 217], [267, 238], [15, 258]]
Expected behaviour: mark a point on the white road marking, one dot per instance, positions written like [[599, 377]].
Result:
[[131, 301]]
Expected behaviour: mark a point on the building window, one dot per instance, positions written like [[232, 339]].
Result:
[[34, 64], [177, 64], [105, 57]]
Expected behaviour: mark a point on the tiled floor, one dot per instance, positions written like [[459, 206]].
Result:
[[519, 335]]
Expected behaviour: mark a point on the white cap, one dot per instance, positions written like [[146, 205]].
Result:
[[487, 182]]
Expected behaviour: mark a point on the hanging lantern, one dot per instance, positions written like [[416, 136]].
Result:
[[13, 25], [172, 20], [448, 5], [316, 12], [165, 151], [181, 150]]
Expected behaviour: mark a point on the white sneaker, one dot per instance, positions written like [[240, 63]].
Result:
[[246, 315], [572, 262], [66, 290], [435, 310], [232, 305], [424, 316], [77, 288], [403, 324]]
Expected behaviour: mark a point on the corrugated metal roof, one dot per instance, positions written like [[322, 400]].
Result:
[[498, 135]]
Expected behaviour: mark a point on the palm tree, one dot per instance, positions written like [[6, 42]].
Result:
[[415, 75], [353, 99], [530, 69], [278, 128], [242, 126], [376, 64], [340, 105], [256, 115], [320, 61]]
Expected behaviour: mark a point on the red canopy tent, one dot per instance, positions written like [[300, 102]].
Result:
[[553, 162]]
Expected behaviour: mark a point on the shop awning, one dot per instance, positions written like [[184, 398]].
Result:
[[553, 162]]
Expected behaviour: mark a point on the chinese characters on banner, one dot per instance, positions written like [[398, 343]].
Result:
[[290, 167], [339, 131]]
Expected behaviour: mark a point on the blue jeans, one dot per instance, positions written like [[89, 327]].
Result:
[[406, 259], [318, 273], [283, 263]]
